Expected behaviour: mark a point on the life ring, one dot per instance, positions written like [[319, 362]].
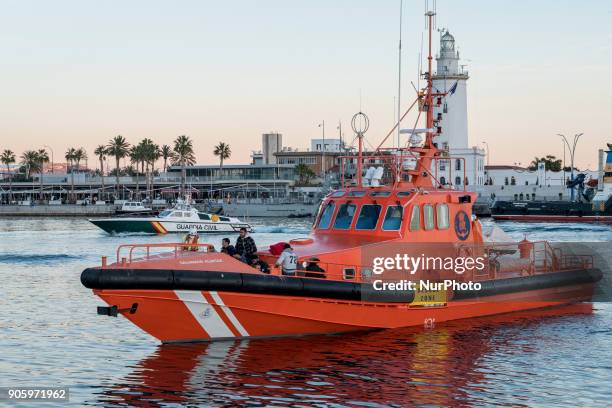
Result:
[[214, 218], [301, 241]]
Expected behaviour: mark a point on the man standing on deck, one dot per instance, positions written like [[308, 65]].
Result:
[[245, 247], [288, 261]]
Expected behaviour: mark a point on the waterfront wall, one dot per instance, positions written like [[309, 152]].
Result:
[[66, 210]]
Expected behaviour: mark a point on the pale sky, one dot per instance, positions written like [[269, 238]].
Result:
[[76, 73]]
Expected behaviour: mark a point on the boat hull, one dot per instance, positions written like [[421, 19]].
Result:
[[156, 226], [194, 315]]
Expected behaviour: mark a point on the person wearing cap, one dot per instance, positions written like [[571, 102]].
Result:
[[191, 240], [287, 261], [313, 266]]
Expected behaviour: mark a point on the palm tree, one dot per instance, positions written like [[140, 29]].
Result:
[[304, 172], [223, 151], [70, 156], [79, 154], [101, 153], [137, 156], [119, 148], [43, 157], [152, 154], [166, 153], [183, 149], [29, 159], [7, 158]]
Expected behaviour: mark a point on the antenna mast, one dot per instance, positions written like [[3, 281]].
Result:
[[399, 76]]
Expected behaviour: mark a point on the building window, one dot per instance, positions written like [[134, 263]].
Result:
[[521, 197], [458, 164], [506, 181], [512, 181], [526, 182], [368, 217], [467, 182], [458, 181], [393, 218], [443, 180]]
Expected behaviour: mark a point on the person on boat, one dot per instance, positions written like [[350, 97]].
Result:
[[245, 247], [287, 261], [227, 248], [191, 240], [313, 267], [260, 265]]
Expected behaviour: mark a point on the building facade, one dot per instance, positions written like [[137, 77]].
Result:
[[271, 143]]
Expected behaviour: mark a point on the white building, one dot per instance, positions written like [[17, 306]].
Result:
[[329, 145], [520, 183], [466, 163], [271, 143]]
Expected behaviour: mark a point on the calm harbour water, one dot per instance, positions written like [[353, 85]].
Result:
[[50, 335]]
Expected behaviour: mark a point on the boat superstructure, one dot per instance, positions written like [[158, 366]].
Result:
[[390, 206], [182, 217]]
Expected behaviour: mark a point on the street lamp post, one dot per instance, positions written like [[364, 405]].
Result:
[[572, 150], [322, 126]]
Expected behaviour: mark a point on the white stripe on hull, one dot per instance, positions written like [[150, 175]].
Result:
[[204, 313], [230, 315]]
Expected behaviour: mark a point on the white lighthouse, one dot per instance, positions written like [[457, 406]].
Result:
[[451, 79], [466, 166]]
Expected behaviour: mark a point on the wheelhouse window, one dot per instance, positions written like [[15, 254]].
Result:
[[338, 193], [358, 193], [380, 194], [415, 218], [177, 214], [442, 215], [345, 215], [204, 216], [403, 193], [368, 217], [326, 215], [428, 217], [165, 213], [393, 218]]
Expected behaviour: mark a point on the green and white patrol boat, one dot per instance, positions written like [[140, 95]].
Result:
[[180, 218]]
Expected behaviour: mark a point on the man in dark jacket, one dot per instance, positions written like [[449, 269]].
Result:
[[226, 248], [245, 246]]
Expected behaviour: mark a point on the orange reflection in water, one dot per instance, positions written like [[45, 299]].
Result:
[[390, 367]]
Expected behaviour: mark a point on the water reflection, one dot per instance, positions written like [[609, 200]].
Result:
[[446, 366]]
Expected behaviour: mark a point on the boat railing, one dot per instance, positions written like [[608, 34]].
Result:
[[150, 250], [399, 165], [501, 260]]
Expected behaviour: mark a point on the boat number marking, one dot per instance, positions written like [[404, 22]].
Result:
[[429, 323]]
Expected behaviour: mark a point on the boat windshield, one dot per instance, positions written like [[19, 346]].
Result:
[[165, 213]]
